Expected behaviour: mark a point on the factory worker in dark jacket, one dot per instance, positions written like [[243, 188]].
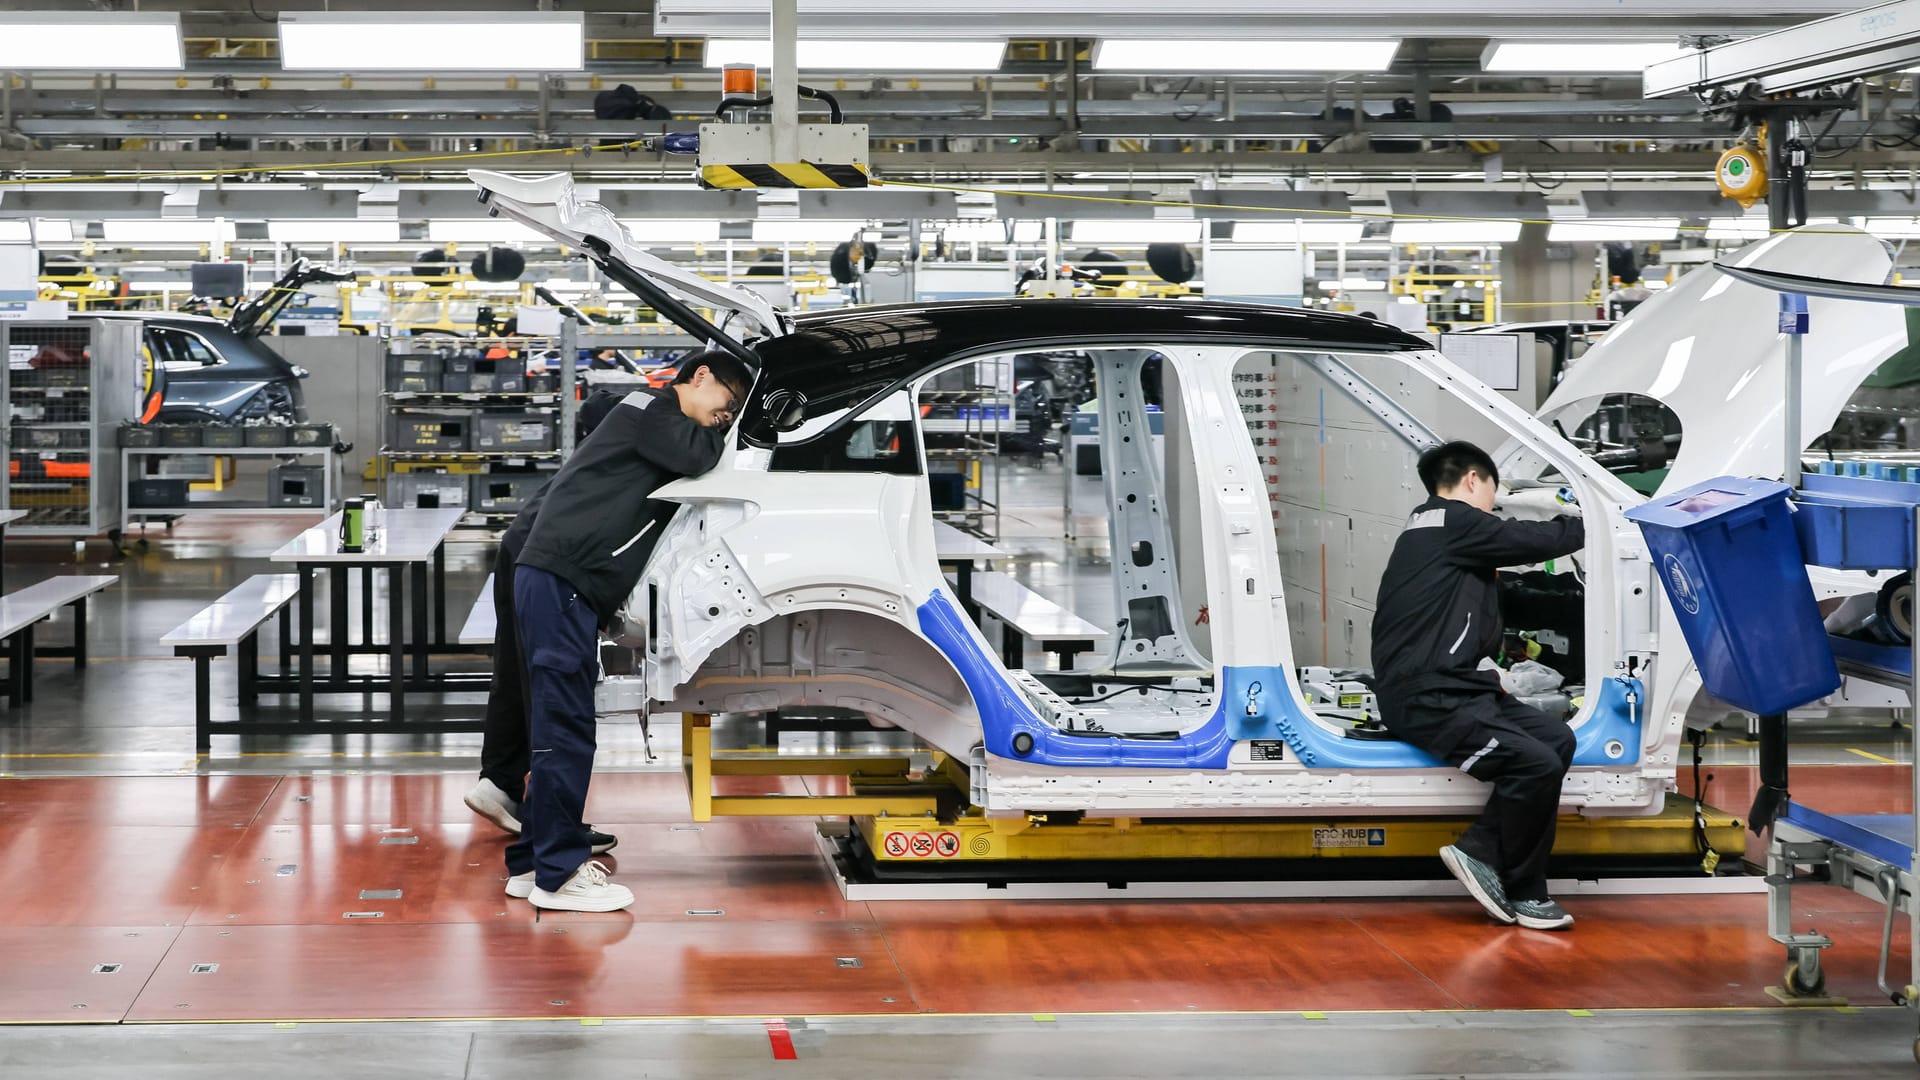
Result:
[[1437, 618], [503, 746], [586, 551]]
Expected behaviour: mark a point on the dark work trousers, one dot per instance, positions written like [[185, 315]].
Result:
[[503, 742], [1522, 752], [560, 638]]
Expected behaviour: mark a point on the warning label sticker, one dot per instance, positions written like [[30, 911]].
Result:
[[1349, 838], [896, 844], [921, 845], [947, 845]]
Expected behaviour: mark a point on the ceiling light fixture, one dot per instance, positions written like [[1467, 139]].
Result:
[[1625, 230], [1465, 233], [652, 232], [1243, 55], [804, 231], [435, 41], [333, 232], [1298, 232], [1120, 231], [1577, 57], [484, 231], [866, 55], [145, 231], [90, 41]]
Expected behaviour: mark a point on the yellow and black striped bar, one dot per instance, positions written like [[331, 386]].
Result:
[[787, 175]]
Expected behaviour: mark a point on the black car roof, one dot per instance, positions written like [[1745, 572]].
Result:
[[833, 360]]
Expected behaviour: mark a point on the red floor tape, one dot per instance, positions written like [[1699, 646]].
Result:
[[782, 1041]]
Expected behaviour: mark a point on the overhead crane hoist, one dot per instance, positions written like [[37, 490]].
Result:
[[1776, 84], [737, 151]]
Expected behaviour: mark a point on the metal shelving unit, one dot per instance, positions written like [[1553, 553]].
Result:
[[558, 403], [330, 490], [68, 386], [969, 408]]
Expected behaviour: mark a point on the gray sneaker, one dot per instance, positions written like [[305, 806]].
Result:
[[1482, 882], [1541, 915]]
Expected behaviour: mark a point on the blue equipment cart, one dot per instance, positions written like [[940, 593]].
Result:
[[1733, 554]]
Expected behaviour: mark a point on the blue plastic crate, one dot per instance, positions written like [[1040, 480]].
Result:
[[1728, 555], [1856, 523]]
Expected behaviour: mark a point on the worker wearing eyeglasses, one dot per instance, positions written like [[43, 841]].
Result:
[[587, 550]]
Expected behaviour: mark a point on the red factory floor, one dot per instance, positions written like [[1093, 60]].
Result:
[[263, 876]]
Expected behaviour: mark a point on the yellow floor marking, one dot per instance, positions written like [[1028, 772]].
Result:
[[1872, 757]]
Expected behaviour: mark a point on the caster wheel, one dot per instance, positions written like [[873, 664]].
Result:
[[1799, 985]]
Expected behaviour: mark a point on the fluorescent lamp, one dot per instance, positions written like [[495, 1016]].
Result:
[[1629, 230], [804, 231], [1028, 232], [1298, 232], [1577, 57], [333, 232], [90, 41], [437, 41], [1360, 284], [484, 231], [36, 231], [1891, 228], [147, 231], [1138, 232], [651, 232], [1455, 232], [980, 232], [52, 230], [1242, 55], [866, 55], [1756, 227]]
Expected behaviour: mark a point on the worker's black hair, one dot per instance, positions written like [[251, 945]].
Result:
[[1446, 465], [725, 366]]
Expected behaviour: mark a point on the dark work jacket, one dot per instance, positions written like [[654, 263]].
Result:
[[1438, 610], [591, 412], [598, 522]]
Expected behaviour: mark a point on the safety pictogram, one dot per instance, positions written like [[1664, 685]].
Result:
[[896, 844], [947, 845], [922, 845]]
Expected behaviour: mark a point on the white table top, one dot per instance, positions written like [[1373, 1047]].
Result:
[[950, 543], [1034, 615], [410, 536], [8, 517]]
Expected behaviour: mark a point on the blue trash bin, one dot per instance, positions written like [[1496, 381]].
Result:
[[1729, 559]]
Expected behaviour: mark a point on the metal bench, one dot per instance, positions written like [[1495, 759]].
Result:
[[1025, 615], [481, 622], [233, 622], [21, 611]]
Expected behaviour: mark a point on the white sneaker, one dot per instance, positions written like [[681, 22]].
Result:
[[587, 890], [487, 800], [520, 886]]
